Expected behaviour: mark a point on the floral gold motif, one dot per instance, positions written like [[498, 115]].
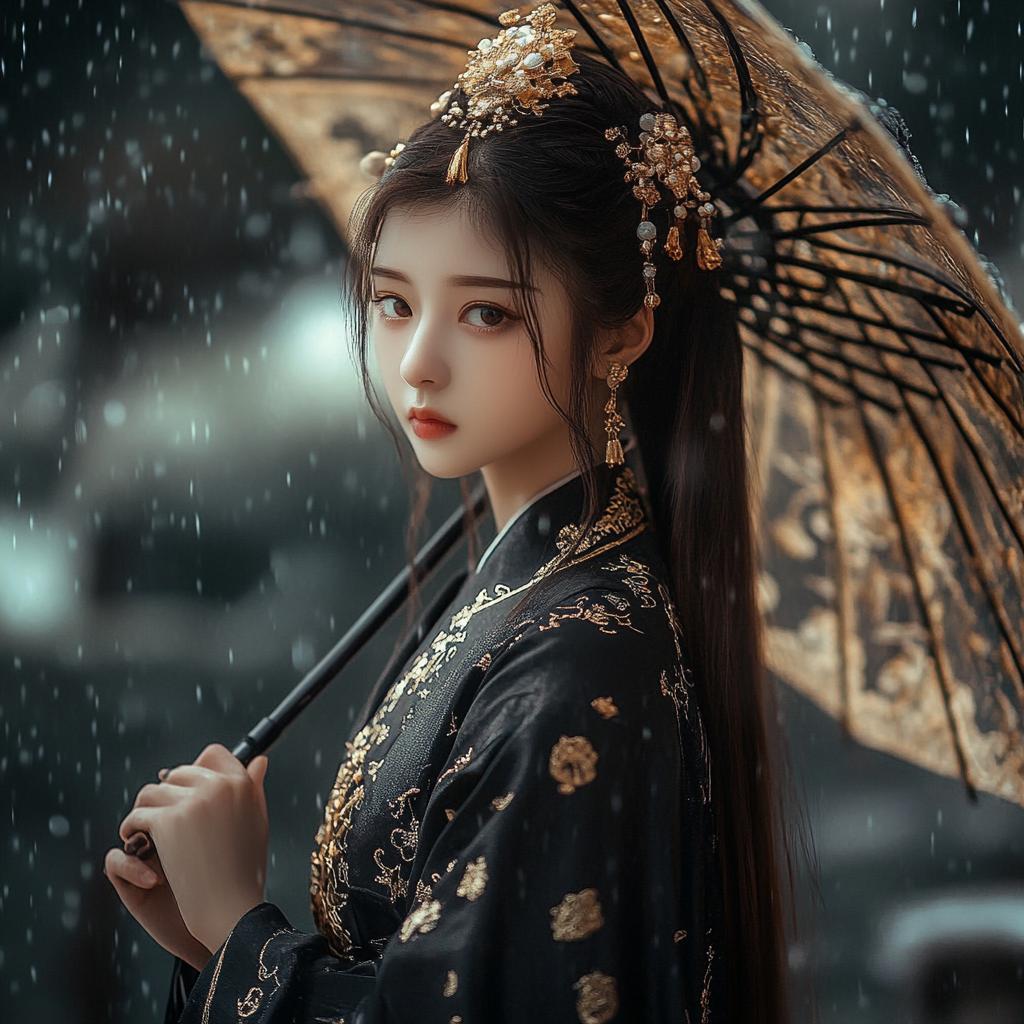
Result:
[[422, 920], [457, 765], [577, 916], [605, 707], [572, 763], [250, 1002], [499, 803], [423, 891], [451, 984], [597, 999], [474, 880]]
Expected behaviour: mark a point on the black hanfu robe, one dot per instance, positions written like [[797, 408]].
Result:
[[521, 833]]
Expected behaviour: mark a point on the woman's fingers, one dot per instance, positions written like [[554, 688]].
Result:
[[119, 866], [140, 819], [188, 775], [257, 769], [219, 759]]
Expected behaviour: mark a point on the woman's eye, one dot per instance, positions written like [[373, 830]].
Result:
[[394, 308], [486, 316]]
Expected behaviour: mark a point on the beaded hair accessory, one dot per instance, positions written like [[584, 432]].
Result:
[[507, 77], [666, 153]]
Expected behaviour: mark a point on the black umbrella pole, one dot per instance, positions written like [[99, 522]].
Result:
[[266, 733], [259, 739]]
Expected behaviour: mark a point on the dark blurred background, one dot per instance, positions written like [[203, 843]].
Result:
[[195, 503]]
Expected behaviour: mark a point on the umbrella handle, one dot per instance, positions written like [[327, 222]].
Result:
[[262, 736]]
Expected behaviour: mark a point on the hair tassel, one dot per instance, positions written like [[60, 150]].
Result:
[[457, 170], [708, 256]]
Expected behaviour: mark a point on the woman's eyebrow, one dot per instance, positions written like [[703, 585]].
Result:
[[472, 281], [458, 280]]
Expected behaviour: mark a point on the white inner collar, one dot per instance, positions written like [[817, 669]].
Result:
[[518, 515]]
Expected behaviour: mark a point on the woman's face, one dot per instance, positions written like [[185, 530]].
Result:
[[454, 354]]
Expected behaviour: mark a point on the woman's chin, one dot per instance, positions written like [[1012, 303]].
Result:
[[445, 465]]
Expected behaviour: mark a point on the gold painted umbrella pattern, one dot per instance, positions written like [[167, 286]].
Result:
[[884, 368]]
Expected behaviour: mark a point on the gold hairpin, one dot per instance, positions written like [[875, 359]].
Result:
[[508, 76], [666, 153]]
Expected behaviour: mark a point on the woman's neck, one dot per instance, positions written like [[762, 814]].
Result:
[[512, 481]]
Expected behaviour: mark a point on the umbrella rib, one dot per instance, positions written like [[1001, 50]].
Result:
[[843, 603], [894, 211], [975, 452], [851, 364], [603, 48], [645, 51], [805, 381], [941, 666], [968, 301], [1011, 414], [750, 121], [843, 225], [337, 19], [944, 341], [843, 382], [971, 540], [684, 41], [795, 173], [967, 532], [865, 342], [909, 291]]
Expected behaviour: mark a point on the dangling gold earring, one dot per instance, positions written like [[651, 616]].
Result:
[[617, 373]]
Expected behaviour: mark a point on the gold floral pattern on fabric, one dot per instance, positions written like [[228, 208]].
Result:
[[678, 687], [588, 610], [457, 765], [449, 813], [622, 518], [605, 707], [499, 803], [451, 984], [250, 1002], [597, 998], [572, 763], [390, 876], [679, 935], [637, 578], [423, 919], [577, 916], [474, 880], [423, 891]]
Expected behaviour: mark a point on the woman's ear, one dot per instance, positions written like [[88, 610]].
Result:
[[625, 344]]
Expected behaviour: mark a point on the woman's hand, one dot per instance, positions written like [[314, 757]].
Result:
[[208, 820], [144, 891]]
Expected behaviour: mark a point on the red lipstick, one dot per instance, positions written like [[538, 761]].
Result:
[[428, 425]]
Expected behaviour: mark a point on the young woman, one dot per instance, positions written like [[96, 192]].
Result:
[[561, 808]]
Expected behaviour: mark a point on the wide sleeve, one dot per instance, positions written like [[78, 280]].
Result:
[[547, 878]]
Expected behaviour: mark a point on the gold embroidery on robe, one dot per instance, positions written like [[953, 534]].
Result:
[[597, 999], [390, 876], [422, 920], [587, 610], [622, 519], [423, 891], [577, 916], [455, 1020], [499, 803], [572, 763], [605, 707], [705, 996], [451, 984], [449, 813], [457, 765], [250, 1002], [680, 935], [215, 979], [474, 880]]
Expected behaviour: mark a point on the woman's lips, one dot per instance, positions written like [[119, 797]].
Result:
[[428, 425]]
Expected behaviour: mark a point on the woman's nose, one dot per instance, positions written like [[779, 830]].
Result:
[[424, 363]]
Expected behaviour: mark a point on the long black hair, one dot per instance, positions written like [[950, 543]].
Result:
[[551, 191]]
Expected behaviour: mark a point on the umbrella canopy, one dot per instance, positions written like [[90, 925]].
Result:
[[884, 370]]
